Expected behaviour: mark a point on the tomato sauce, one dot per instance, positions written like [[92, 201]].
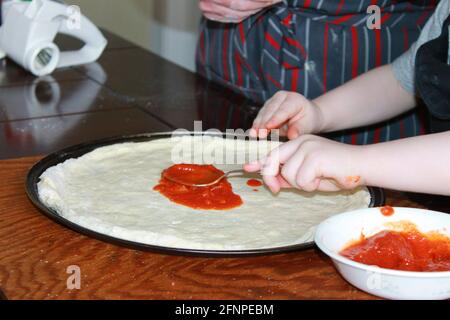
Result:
[[193, 173], [353, 179], [408, 250], [387, 211], [254, 183], [217, 197]]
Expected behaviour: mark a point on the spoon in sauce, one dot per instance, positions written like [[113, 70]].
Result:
[[197, 175]]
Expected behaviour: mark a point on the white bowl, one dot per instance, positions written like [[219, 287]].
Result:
[[335, 233]]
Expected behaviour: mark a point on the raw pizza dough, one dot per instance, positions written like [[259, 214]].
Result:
[[110, 190]]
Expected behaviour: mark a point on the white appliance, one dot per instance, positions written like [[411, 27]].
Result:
[[30, 27]]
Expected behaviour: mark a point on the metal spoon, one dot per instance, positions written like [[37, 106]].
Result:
[[207, 184]]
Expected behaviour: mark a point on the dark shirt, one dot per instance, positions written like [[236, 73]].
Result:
[[432, 79]]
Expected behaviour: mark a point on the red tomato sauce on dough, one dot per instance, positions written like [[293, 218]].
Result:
[[217, 197], [254, 183], [408, 250]]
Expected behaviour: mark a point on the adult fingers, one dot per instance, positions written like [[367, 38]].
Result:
[[210, 8], [214, 17], [244, 5]]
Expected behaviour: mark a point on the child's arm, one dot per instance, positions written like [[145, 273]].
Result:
[[371, 98], [420, 164]]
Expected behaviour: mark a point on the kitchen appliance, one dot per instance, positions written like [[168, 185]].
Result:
[[30, 27], [2, 54]]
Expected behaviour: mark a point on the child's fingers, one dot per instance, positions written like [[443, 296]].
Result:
[[293, 132], [283, 130], [328, 185], [308, 177], [258, 123], [253, 133], [266, 111], [291, 167], [263, 133], [259, 116], [285, 112], [271, 164], [272, 107], [283, 183], [253, 166], [275, 184], [270, 171], [259, 133], [272, 183]]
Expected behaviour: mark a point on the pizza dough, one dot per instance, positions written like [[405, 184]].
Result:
[[109, 190]]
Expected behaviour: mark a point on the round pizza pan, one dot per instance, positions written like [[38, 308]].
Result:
[[377, 199], [2, 296]]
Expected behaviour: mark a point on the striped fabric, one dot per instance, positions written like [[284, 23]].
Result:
[[312, 46]]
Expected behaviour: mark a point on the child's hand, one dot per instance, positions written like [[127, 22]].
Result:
[[312, 163], [290, 112], [232, 11]]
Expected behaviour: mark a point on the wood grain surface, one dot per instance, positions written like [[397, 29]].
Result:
[[36, 252]]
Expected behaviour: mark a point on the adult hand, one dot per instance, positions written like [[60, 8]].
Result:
[[233, 11]]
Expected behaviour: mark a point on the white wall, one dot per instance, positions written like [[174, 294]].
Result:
[[165, 27]]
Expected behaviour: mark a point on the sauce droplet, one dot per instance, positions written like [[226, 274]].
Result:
[[254, 183], [387, 211], [353, 179]]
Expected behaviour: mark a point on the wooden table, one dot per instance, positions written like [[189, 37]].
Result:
[[128, 91], [35, 254]]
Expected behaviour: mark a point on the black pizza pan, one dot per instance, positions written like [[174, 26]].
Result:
[[3, 296], [377, 198]]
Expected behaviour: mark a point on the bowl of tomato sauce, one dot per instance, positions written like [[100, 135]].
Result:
[[393, 253]]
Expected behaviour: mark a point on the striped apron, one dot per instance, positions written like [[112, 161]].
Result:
[[311, 47]]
